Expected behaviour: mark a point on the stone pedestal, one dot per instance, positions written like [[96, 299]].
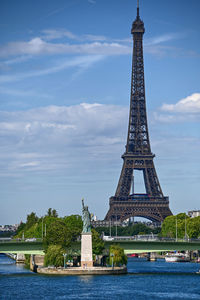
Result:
[[86, 250]]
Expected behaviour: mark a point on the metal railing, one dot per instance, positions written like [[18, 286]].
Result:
[[149, 238], [18, 240]]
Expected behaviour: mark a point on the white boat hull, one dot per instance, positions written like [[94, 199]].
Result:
[[177, 257]]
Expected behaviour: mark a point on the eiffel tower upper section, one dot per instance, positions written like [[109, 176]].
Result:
[[138, 137]]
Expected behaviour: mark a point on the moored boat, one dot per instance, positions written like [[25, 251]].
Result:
[[176, 257]]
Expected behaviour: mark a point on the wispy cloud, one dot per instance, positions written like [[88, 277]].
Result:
[[53, 138], [22, 93], [84, 44], [38, 46], [164, 38], [92, 1], [52, 34], [83, 62]]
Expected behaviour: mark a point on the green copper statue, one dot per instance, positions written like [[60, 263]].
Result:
[[86, 217]]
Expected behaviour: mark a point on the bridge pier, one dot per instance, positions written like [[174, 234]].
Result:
[[35, 261], [20, 258], [152, 256]]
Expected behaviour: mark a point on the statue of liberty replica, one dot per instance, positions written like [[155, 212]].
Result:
[[86, 218], [86, 239]]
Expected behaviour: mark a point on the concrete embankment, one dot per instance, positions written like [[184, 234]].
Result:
[[82, 271], [19, 258], [11, 255]]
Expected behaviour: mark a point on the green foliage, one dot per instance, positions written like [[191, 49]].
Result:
[[192, 226], [169, 227], [31, 220], [119, 257], [27, 261], [74, 226], [20, 228], [57, 234], [37, 228], [54, 256], [62, 231], [52, 213], [128, 230], [54, 230], [28, 229], [97, 243]]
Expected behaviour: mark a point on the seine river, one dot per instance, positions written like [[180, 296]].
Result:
[[145, 280]]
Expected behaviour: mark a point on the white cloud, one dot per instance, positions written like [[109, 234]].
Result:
[[185, 110], [30, 164], [38, 46], [163, 38], [51, 138], [91, 37], [52, 34], [83, 44], [190, 104]]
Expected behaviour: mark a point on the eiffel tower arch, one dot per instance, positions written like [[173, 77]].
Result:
[[152, 205]]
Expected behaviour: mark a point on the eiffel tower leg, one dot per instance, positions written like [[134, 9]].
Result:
[[125, 180]]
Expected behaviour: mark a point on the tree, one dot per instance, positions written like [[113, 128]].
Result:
[[54, 213], [74, 226], [193, 227], [49, 212], [97, 243], [54, 256], [182, 221], [119, 258], [57, 234], [31, 220], [128, 230], [20, 227]]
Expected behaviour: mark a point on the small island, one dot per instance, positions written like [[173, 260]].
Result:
[[116, 259]]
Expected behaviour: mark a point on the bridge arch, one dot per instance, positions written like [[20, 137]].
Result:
[[150, 217]]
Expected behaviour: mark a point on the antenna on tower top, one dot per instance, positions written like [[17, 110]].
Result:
[[138, 8]]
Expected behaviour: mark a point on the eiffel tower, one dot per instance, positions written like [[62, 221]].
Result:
[[152, 205]]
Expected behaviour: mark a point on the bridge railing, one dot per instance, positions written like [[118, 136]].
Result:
[[149, 238], [18, 240]]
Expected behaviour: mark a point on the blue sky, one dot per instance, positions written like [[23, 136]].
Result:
[[65, 70]]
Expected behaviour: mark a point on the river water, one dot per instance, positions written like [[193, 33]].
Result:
[[145, 280]]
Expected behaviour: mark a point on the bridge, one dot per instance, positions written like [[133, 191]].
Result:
[[24, 247], [129, 245]]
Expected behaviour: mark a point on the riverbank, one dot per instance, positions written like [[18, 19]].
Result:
[[82, 271]]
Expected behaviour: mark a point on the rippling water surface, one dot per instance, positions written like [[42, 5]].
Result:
[[145, 280]]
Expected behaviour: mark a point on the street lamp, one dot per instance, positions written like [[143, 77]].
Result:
[[112, 255], [64, 255], [185, 228]]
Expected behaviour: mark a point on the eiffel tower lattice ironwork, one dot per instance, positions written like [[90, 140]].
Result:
[[152, 205]]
